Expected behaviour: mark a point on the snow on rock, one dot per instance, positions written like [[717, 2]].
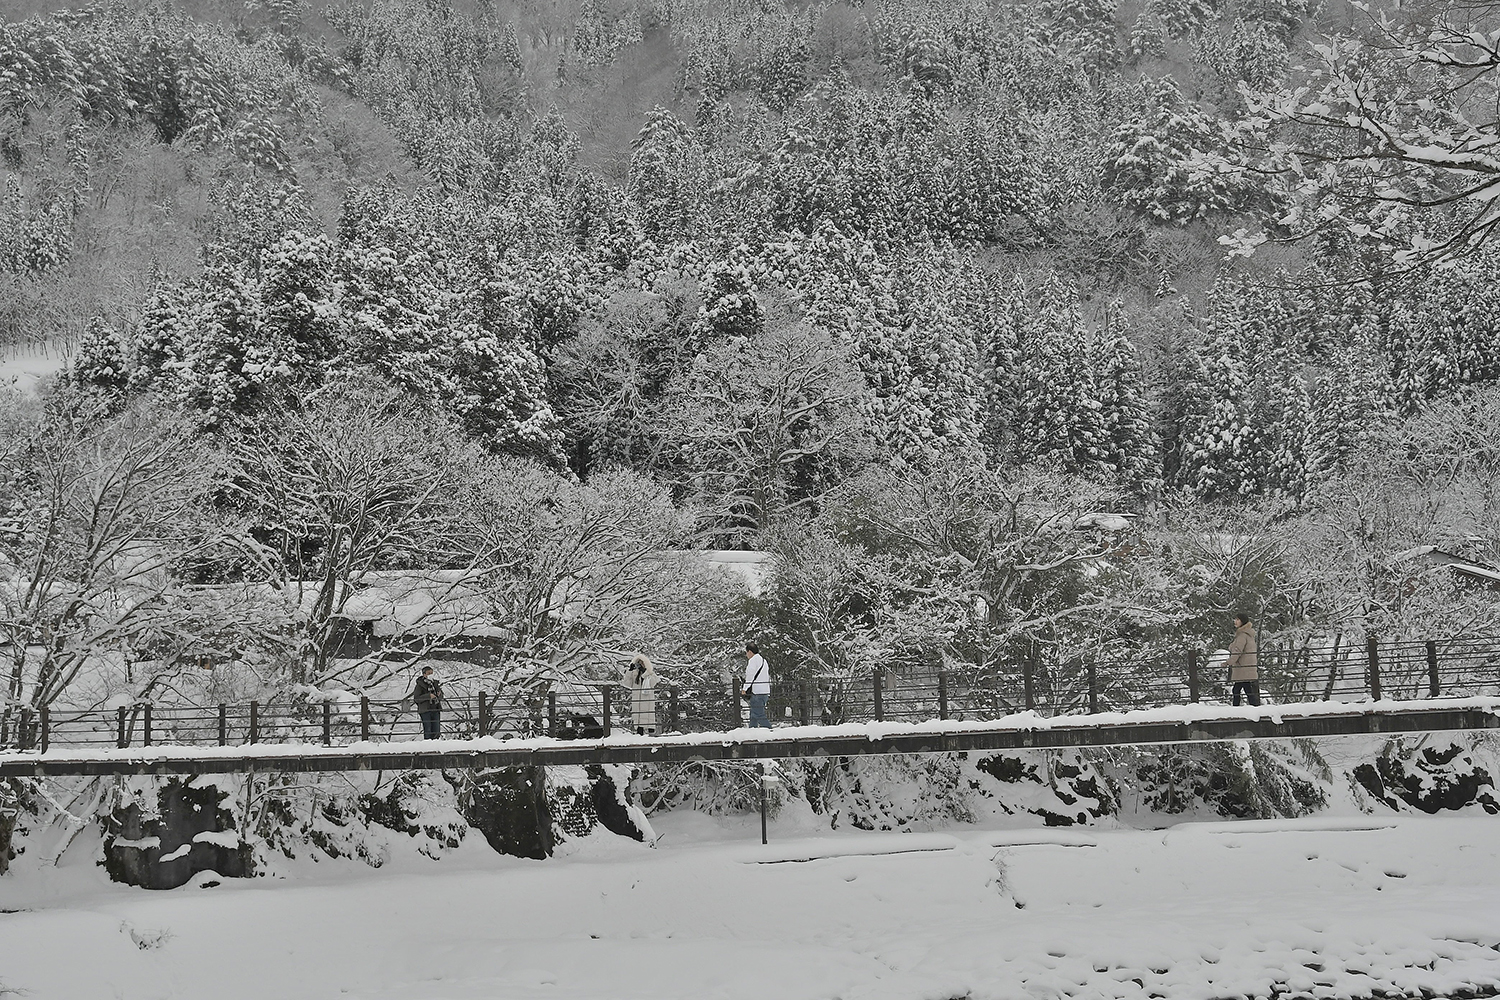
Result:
[[1429, 778], [152, 837], [221, 838], [10, 811], [901, 792], [361, 816], [160, 832], [528, 811], [592, 796], [1246, 779], [1059, 788]]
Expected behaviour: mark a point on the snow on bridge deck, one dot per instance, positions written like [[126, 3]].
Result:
[[1174, 724]]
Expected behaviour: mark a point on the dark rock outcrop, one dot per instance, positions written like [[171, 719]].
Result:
[[1429, 779], [10, 811], [188, 832], [509, 806], [582, 799], [607, 795], [527, 811]]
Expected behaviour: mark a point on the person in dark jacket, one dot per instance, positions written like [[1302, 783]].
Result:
[[1243, 666], [429, 699]]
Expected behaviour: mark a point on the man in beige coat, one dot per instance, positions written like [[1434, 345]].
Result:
[[1242, 661]]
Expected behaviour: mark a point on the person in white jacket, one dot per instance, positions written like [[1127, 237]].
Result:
[[640, 679], [757, 689]]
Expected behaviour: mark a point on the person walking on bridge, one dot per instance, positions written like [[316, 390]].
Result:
[[640, 680], [429, 699], [757, 689], [1242, 663]]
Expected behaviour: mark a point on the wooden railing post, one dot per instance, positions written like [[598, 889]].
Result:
[[673, 708], [734, 704], [879, 689], [606, 690], [943, 695], [223, 725], [327, 724], [551, 713], [1372, 655], [46, 721], [120, 738], [1028, 679], [1193, 683], [484, 716], [364, 719], [24, 733], [1434, 689], [255, 722], [146, 725], [1093, 686]]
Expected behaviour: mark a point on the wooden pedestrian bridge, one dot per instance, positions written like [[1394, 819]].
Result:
[[1387, 688], [1180, 724]]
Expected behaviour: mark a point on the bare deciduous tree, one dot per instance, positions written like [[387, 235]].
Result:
[[360, 479], [573, 574], [99, 515], [756, 417], [1393, 135]]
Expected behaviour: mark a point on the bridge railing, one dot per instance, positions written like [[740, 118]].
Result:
[[1060, 684]]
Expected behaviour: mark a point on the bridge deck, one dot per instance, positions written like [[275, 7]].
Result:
[[1177, 724]]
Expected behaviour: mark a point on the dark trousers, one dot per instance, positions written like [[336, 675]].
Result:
[[432, 725], [1251, 689]]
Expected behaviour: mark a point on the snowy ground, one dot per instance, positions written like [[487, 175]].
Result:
[[25, 367], [1318, 907]]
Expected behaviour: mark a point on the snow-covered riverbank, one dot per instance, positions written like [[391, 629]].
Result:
[[1326, 906]]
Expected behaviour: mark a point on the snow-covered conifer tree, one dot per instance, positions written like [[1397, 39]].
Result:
[[1224, 454], [1062, 414], [1284, 422], [100, 361], [996, 317], [1133, 449], [299, 296], [667, 177]]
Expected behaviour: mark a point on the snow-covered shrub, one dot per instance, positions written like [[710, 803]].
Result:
[[925, 791], [714, 787]]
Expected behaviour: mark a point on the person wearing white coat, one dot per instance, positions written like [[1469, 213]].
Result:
[[640, 679], [757, 689]]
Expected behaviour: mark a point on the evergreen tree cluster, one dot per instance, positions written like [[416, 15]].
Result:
[[190, 81], [980, 213]]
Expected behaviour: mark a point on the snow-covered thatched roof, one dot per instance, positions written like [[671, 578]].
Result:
[[1431, 555]]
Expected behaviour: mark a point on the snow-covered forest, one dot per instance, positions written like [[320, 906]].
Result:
[[506, 306], [896, 336]]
